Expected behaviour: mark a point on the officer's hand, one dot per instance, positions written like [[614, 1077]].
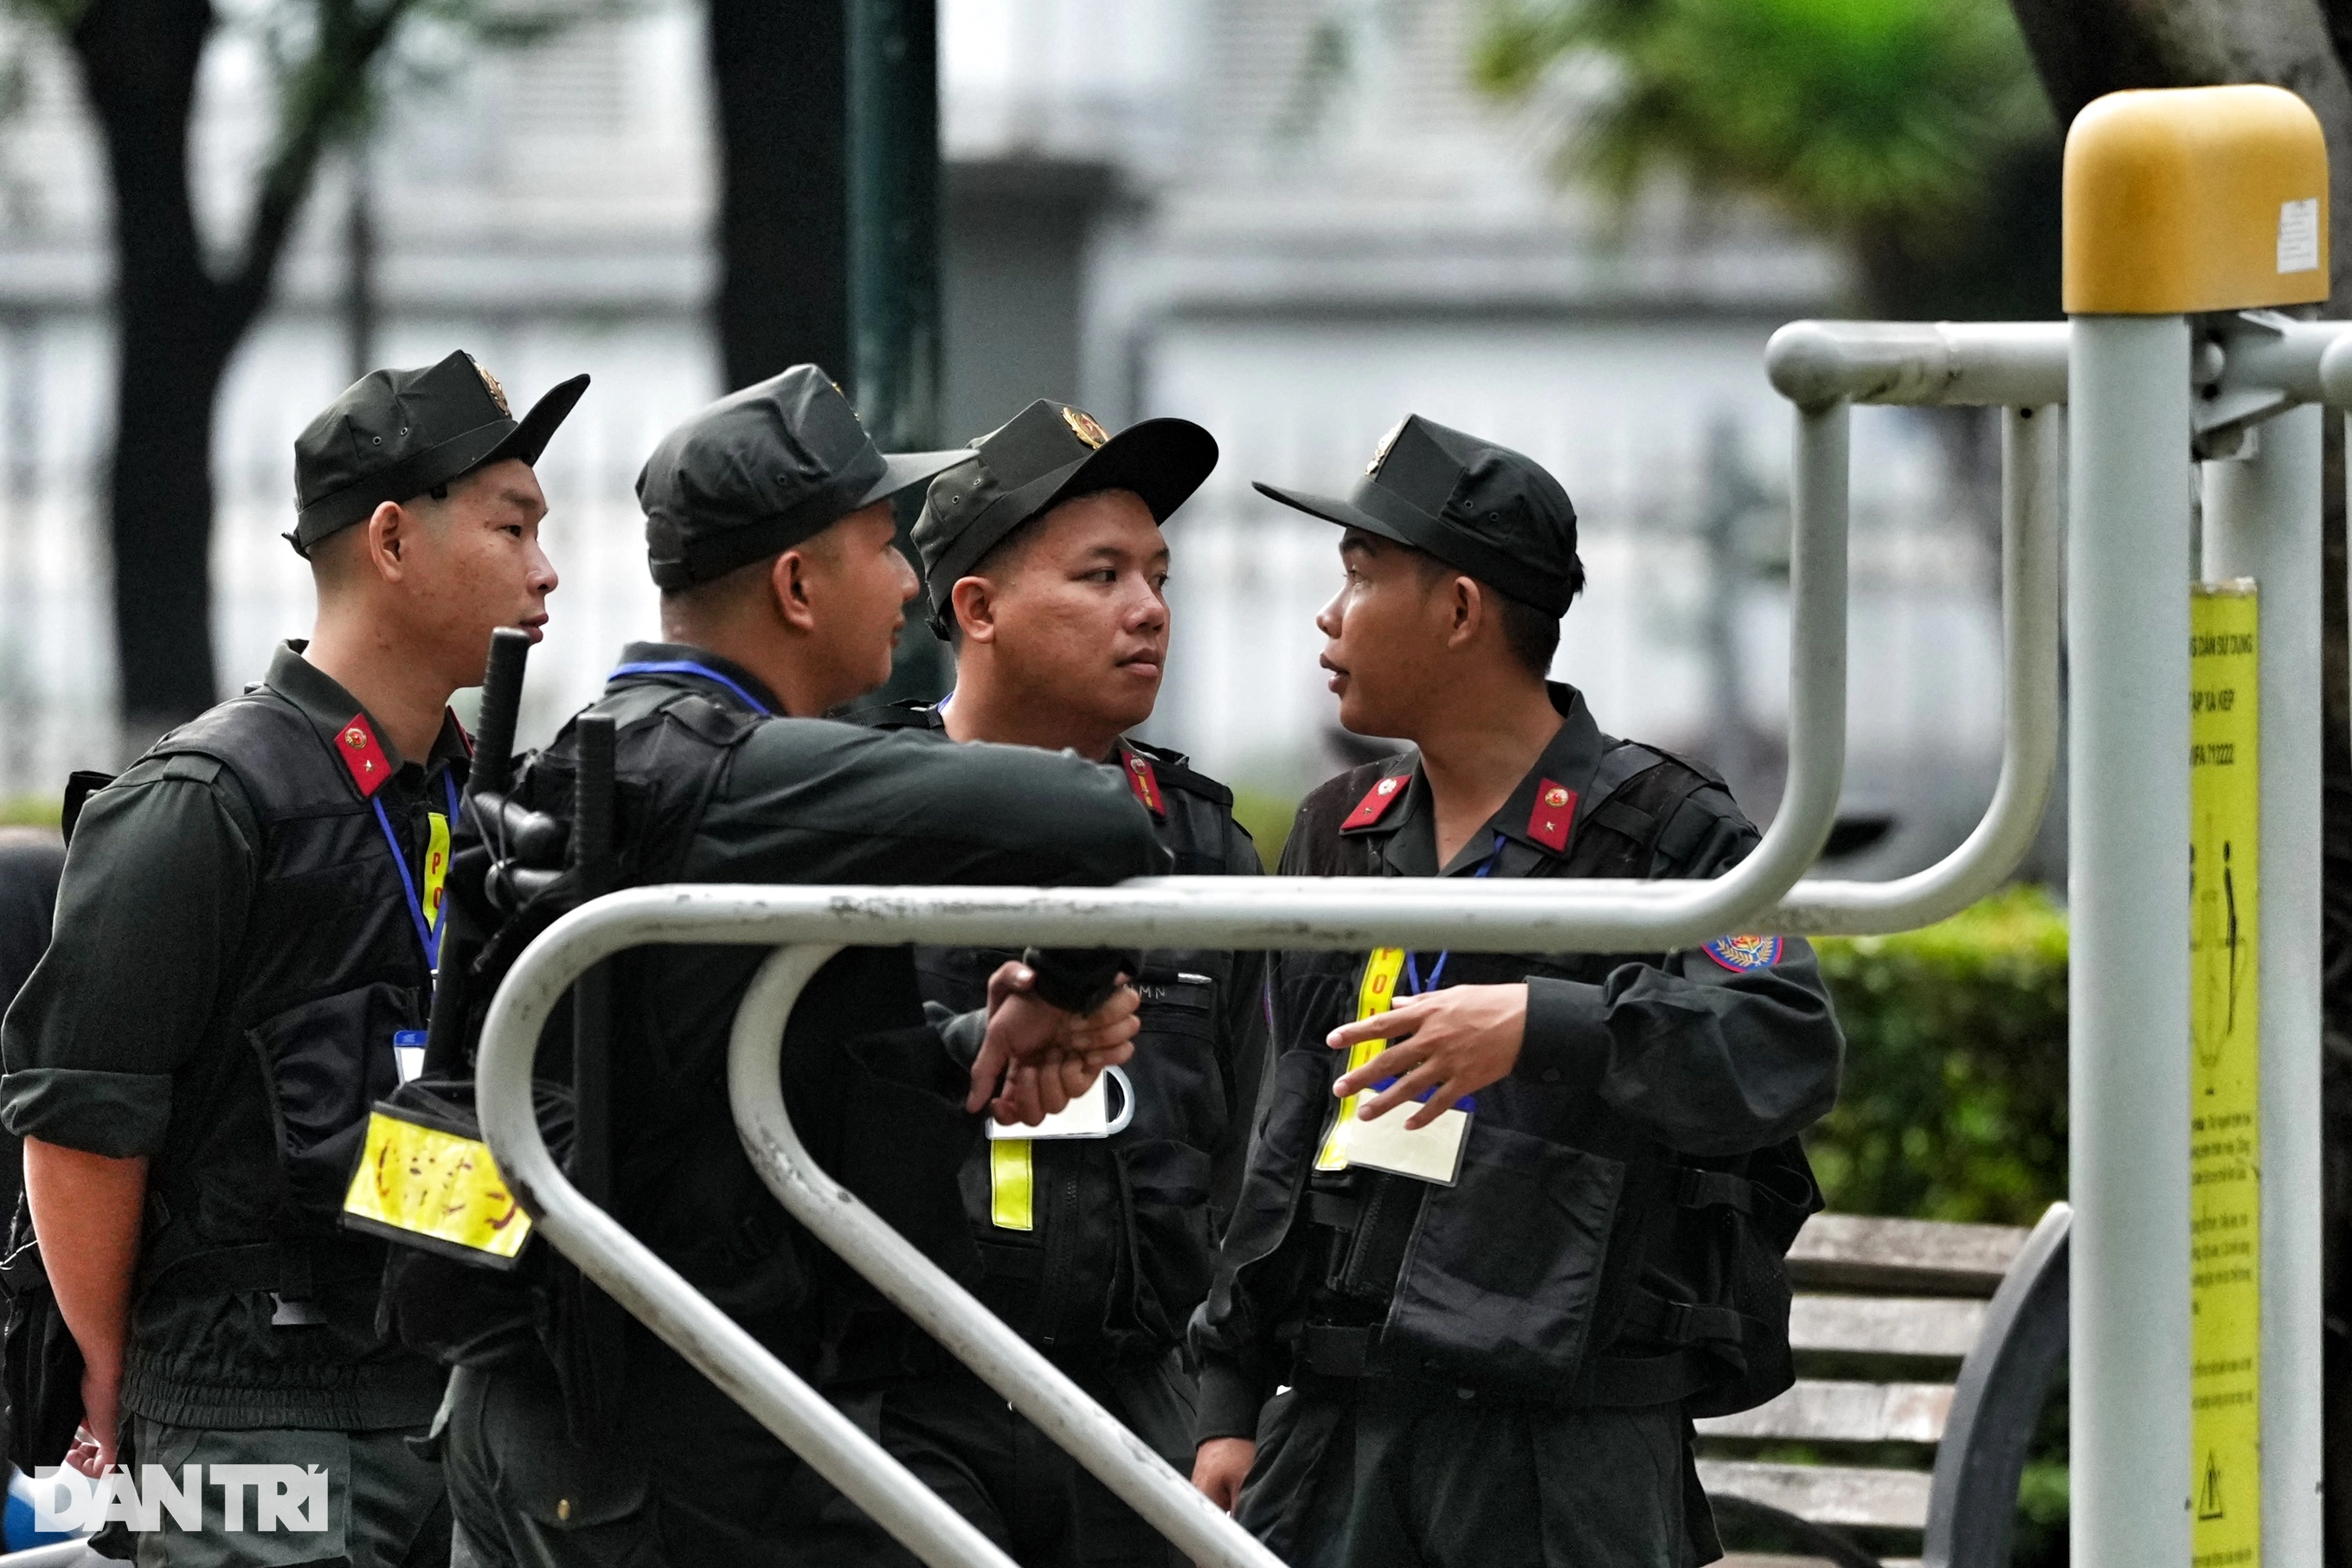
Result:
[[1445, 1043], [1220, 1467], [1037, 1058], [94, 1441]]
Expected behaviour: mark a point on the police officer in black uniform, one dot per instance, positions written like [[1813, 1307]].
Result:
[[770, 535], [1496, 1311], [1045, 567], [246, 928]]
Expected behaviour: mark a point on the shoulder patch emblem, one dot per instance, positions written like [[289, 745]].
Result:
[[1082, 424], [357, 746], [1741, 953], [1377, 801], [1144, 784], [1554, 815]]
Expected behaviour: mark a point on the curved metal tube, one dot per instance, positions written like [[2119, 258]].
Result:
[[685, 1320], [968, 1330], [1944, 363], [2033, 502]]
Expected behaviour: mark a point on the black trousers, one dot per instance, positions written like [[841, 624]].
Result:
[[690, 1480], [1376, 1474], [994, 1465]]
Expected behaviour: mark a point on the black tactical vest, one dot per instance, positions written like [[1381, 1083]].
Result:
[[1123, 1231], [329, 968], [673, 747], [1575, 1259]]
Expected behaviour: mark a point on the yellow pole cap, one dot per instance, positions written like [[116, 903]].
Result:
[[2195, 199]]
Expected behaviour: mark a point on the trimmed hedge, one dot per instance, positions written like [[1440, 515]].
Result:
[[1954, 1102]]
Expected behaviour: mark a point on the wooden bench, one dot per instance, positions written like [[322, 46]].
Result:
[[1906, 1331]]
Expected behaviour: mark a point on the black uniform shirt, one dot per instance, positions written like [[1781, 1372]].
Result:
[[1680, 1051], [119, 1024]]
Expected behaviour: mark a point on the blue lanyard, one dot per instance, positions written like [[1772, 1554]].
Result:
[[688, 666], [428, 933], [1437, 969]]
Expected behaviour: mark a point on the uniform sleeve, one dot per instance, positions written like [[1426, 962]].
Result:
[[150, 915], [812, 801], [1235, 1339], [1710, 1058]]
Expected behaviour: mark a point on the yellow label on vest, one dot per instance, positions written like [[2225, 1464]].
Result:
[[436, 867], [1012, 1184], [433, 1183], [1374, 994], [2225, 1337]]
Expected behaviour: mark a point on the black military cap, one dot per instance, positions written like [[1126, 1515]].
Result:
[[1040, 457], [396, 434], [762, 470], [1481, 508]]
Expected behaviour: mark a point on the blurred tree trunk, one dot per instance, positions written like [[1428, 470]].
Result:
[[178, 320], [2082, 49], [780, 69]]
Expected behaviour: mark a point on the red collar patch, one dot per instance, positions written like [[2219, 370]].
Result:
[[355, 742], [1377, 801], [1554, 815], [1144, 782], [455, 724]]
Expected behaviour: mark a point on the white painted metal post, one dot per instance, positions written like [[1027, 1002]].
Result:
[[2129, 564], [2261, 520]]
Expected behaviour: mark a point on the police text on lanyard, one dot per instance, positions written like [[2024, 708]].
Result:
[[1431, 1153]]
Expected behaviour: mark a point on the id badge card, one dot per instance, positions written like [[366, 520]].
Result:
[[1088, 1116], [1431, 1153], [434, 1184]]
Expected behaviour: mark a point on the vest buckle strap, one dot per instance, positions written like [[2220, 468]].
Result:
[[1697, 1189]]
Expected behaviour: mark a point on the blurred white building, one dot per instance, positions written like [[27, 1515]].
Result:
[[1292, 220]]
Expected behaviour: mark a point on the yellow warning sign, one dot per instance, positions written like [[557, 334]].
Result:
[[434, 1188], [2224, 1075]]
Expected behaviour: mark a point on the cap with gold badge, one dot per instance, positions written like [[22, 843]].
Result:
[[1480, 507], [395, 435], [1047, 454]]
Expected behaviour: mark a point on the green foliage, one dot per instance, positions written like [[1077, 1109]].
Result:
[[29, 811], [1265, 815], [1954, 1102], [1892, 126]]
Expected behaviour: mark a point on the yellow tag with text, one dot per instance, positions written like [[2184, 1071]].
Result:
[[1376, 993], [436, 867], [434, 1188], [1012, 1184], [2225, 1077]]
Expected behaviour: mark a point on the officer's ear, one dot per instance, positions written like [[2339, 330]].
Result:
[[973, 602], [1466, 611], [384, 540], [788, 589]]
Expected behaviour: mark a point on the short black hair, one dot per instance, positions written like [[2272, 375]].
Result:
[[1530, 631]]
